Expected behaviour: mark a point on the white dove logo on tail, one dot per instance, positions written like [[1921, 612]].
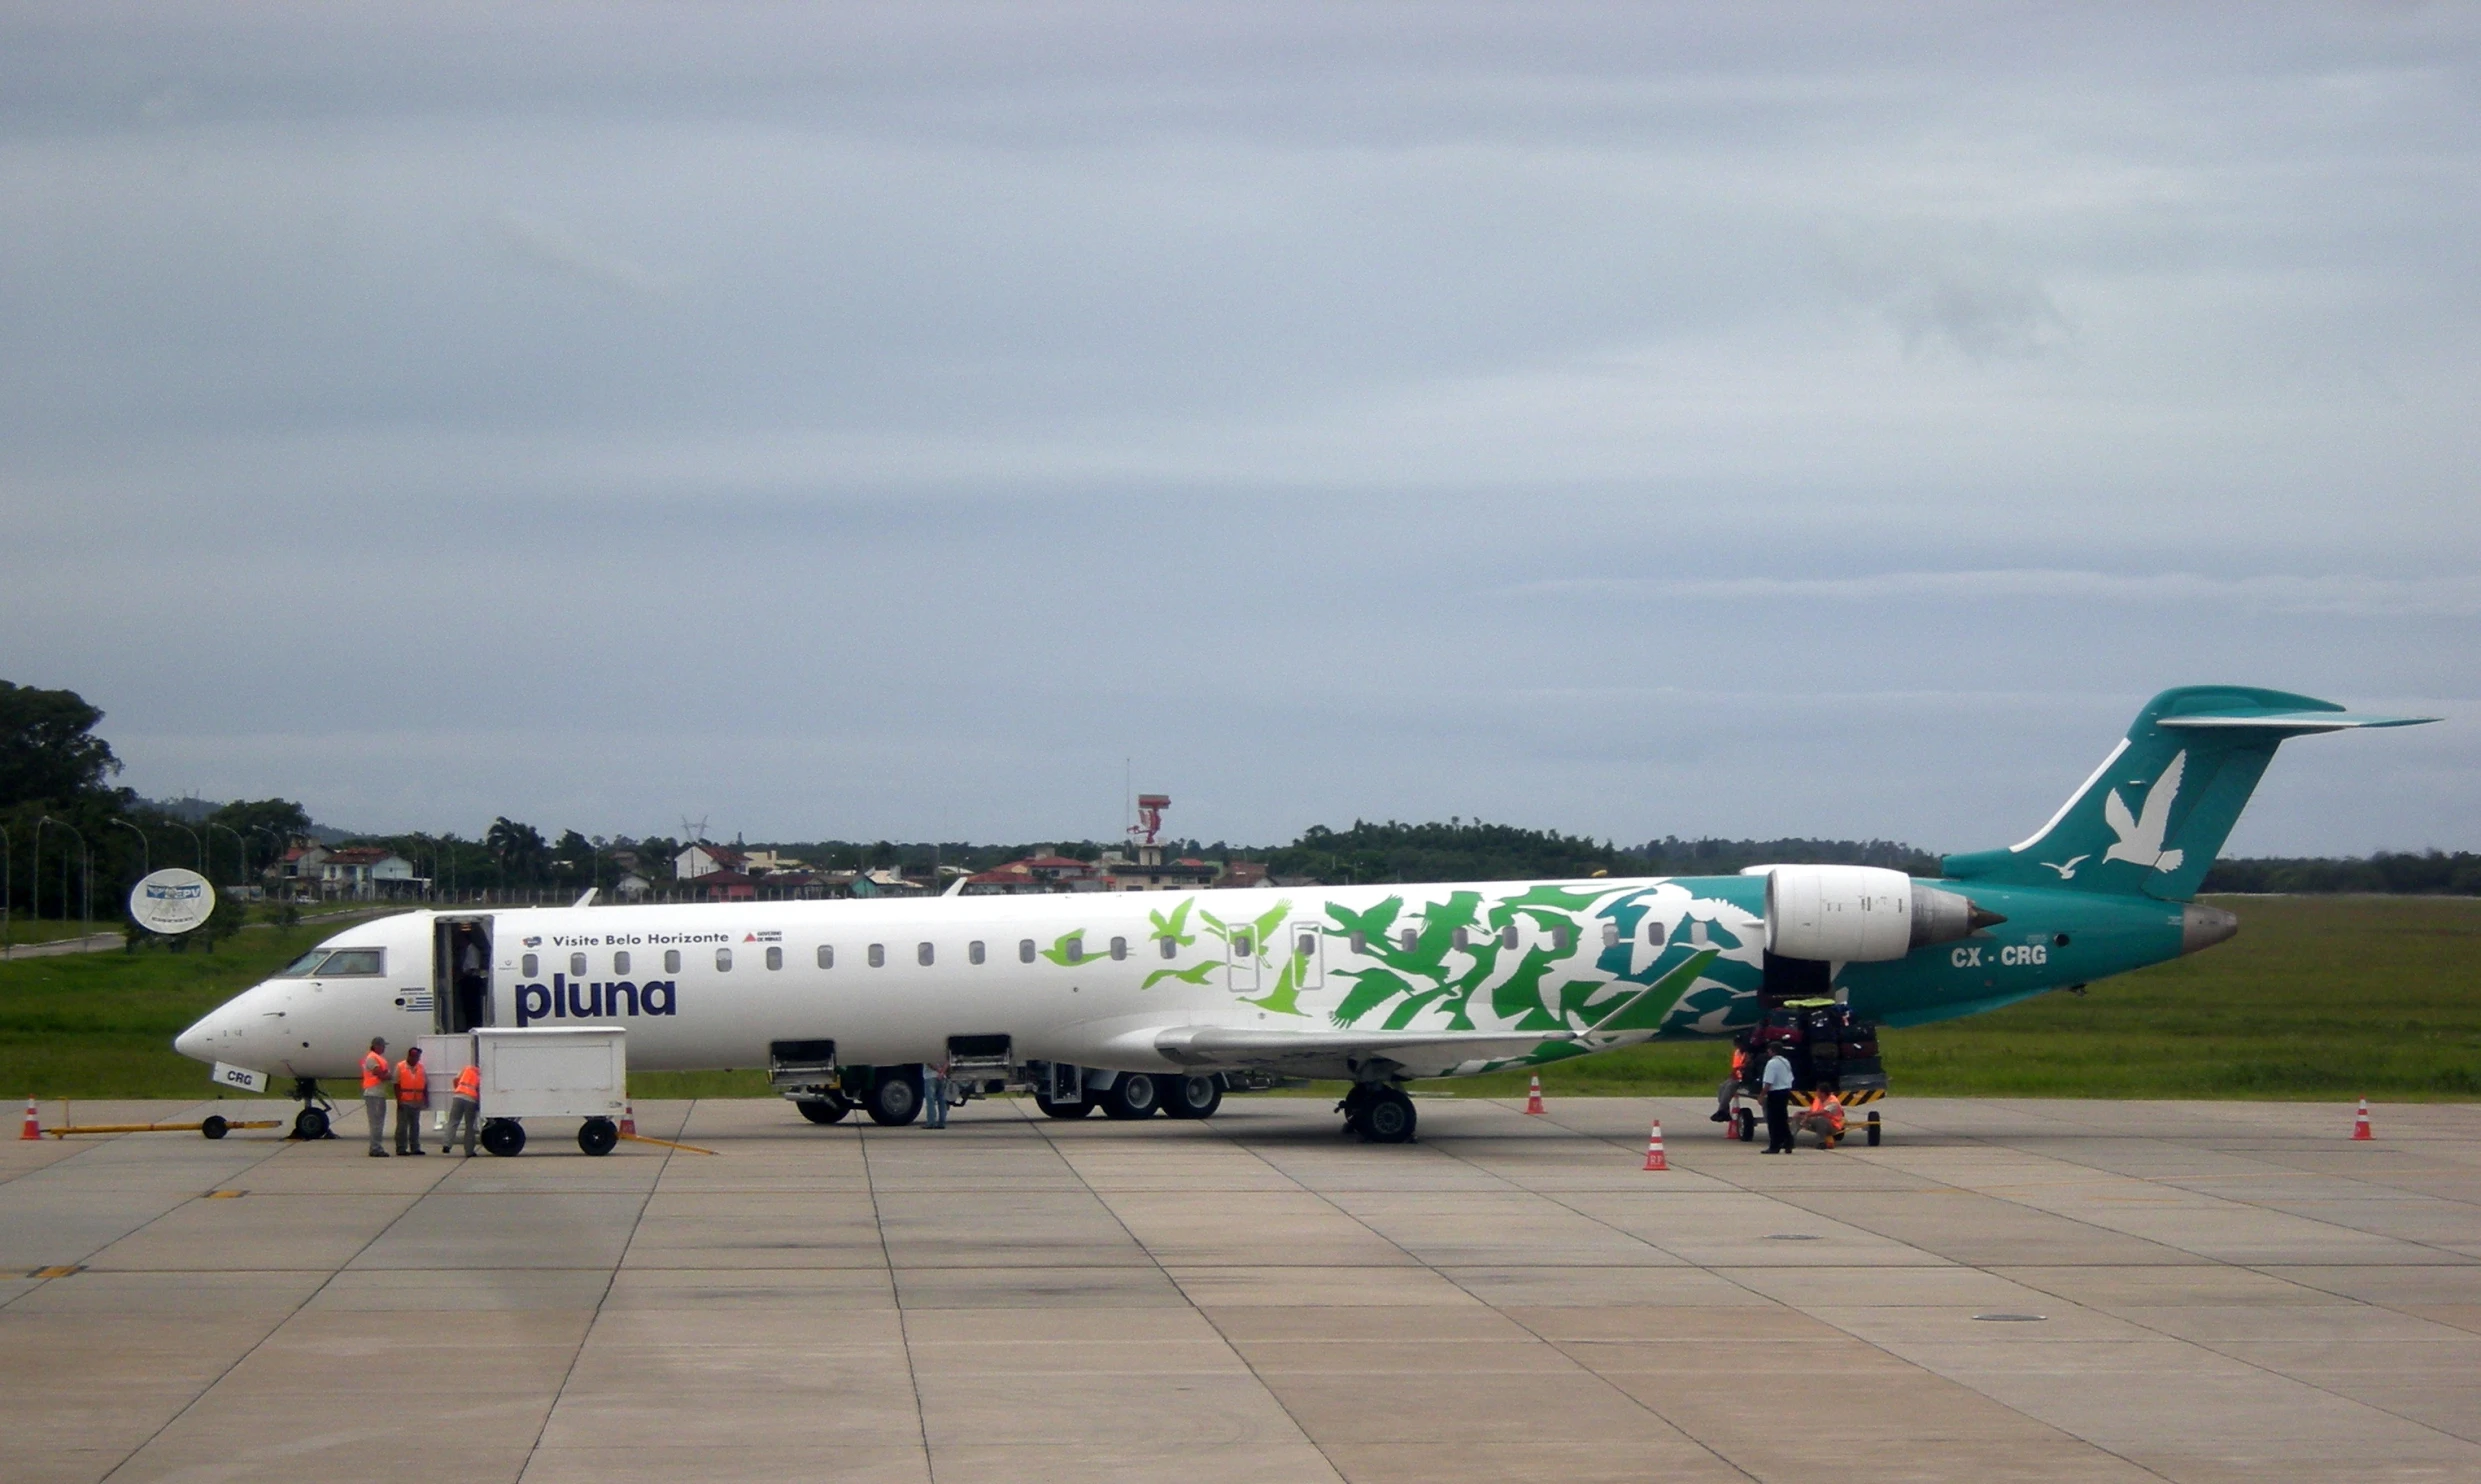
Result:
[[2140, 835]]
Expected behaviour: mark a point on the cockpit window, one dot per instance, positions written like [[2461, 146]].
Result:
[[354, 961], [300, 968]]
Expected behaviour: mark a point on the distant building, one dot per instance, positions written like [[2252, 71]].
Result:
[[704, 858], [766, 862], [366, 872], [1242, 873], [1185, 874], [631, 887], [1038, 873]]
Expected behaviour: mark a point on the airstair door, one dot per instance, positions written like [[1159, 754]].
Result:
[[460, 974]]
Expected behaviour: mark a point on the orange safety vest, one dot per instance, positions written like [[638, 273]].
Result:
[[412, 1084], [469, 1082], [374, 1072]]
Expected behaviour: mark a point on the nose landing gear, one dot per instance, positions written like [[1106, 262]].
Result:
[[317, 1117]]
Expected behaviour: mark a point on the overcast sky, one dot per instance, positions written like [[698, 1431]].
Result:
[[915, 421]]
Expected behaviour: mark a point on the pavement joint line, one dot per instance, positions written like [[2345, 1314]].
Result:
[[289, 1316], [1784, 1198], [1206, 1128], [896, 1296], [2218, 1201], [1590, 1375], [611, 1275]]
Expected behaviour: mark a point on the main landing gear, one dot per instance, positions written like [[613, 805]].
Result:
[[1379, 1112], [828, 1109]]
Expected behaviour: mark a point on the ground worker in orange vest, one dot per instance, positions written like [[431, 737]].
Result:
[[1724, 1095], [1826, 1115], [465, 1107], [377, 1082], [413, 1094]]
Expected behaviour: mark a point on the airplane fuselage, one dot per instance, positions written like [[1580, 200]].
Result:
[[1094, 979]]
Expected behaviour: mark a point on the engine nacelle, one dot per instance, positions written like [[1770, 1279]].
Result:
[[1861, 914]]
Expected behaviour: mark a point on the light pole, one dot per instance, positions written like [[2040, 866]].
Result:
[[239, 844], [275, 858], [194, 841], [146, 853], [86, 873], [7, 893]]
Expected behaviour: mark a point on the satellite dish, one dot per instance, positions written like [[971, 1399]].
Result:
[[172, 900]]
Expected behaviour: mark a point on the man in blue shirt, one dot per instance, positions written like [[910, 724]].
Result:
[[1777, 1080]]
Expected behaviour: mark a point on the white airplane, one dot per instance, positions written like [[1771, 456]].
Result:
[[1145, 1001]]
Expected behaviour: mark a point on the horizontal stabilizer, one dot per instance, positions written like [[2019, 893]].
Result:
[[2299, 722]]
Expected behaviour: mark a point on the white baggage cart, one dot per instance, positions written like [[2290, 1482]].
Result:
[[570, 1071]]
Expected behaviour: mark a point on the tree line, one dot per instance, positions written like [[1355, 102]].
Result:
[[72, 843]]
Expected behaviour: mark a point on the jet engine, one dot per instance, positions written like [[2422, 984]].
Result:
[[1862, 914]]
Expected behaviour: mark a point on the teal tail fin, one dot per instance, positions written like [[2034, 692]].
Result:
[[2152, 818]]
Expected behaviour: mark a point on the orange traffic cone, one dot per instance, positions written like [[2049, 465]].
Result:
[[2360, 1124], [34, 1125], [1654, 1148], [1533, 1096], [628, 1120]]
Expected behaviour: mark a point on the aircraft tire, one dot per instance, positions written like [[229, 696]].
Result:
[[1191, 1097], [1390, 1118], [310, 1124], [895, 1097], [1050, 1109], [598, 1136], [824, 1110], [503, 1137], [1135, 1095]]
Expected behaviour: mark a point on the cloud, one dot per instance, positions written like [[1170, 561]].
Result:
[[545, 244], [2344, 594]]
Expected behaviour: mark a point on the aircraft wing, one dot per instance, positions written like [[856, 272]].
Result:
[[1225, 1046]]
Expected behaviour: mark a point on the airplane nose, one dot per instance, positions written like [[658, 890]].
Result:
[[194, 1042]]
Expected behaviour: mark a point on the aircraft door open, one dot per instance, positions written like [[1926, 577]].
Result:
[[1240, 959], [460, 973]]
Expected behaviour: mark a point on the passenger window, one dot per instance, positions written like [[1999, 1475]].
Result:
[[878, 955], [671, 961], [1075, 950], [1406, 939], [577, 966], [775, 958], [921, 954], [1025, 950], [530, 966], [1507, 936], [1305, 945], [620, 962], [723, 960], [973, 951], [1656, 933], [1170, 948], [1610, 933], [1244, 945], [1119, 949], [1463, 939], [826, 955], [1360, 942]]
